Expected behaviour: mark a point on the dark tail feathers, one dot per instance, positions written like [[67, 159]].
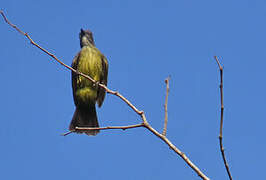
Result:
[[85, 117]]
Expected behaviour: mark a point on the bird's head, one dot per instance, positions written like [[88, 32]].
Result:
[[86, 38]]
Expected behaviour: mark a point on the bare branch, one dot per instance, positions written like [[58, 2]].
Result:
[[222, 118], [165, 106], [112, 127], [116, 93], [106, 128], [140, 113]]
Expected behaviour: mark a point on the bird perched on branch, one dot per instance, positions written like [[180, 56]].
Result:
[[93, 63]]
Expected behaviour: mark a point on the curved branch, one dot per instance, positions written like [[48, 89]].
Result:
[[140, 113], [222, 118]]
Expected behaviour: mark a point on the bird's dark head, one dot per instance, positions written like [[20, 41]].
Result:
[[86, 38]]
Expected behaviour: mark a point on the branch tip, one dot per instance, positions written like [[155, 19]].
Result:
[[67, 133], [221, 119], [165, 106]]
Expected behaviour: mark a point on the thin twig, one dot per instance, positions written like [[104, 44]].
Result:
[[222, 118], [140, 113], [106, 128], [165, 106], [67, 133], [112, 127]]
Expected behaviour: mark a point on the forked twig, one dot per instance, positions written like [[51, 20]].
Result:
[[140, 113], [222, 118], [165, 107]]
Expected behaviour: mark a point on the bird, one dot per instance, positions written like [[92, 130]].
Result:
[[86, 94]]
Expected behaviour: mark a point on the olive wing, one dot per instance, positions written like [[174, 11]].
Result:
[[103, 80]]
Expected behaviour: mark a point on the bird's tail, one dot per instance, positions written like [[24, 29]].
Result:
[[84, 117]]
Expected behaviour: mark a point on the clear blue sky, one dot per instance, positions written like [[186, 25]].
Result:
[[144, 41]]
